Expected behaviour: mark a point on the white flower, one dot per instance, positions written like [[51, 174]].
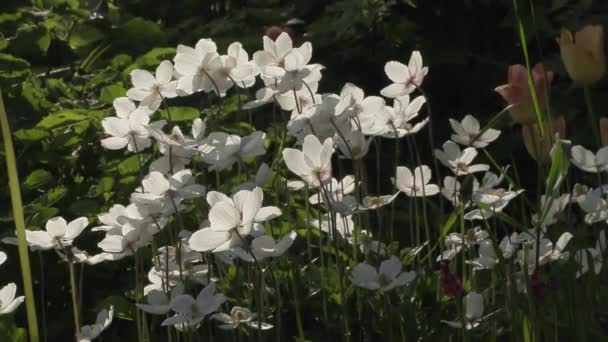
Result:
[[452, 190], [547, 252], [468, 133], [386, 278], [265, 247], [8, 302], [197, 67], [262, 176], [128, 128], [589, 162], [459, 161], [126, 241], [595, 205], [235, 68], [152, 89], [159, 302], [336, 190], [375, 202], [352, 143], [395, 122], [313, 163], [238, 316], [222, 150], [473, 314], [303, 99], [362, 110], [192, 311], [103, 321], [58, 234], [2, 257], [509, 245], [416, 184], [406, 78], [592, 257], [231, 219]]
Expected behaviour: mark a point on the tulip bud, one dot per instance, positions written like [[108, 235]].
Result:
[[604, 131], [517, 92], [583, 54], [539, 147], [274, 32]]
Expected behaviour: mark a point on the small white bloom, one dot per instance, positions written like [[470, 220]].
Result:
[[266, 247], [313, 163], [8, 302], [416, 184], [128, 128], [152, 89], [592, 257], [192, 311], [589, 162], [406, 78], [197, 66], [473, 314], [386, 278], [468, 133], [58, 233], [239, 315], [459, 161], [103, 321], [395, 122]]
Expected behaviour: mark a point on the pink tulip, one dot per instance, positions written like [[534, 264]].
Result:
[[517, 92]]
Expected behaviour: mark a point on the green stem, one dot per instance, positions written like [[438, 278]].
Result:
[[24, 260], [593, 123], [74, 297]]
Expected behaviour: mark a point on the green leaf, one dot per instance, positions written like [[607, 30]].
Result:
[[85, 207], [9, 332], [179, 114], [150, 60], [123, 309], [84, 35], [128, 166], [61, 118], [37, 179], [31, 40], [31, 135], [111, 92], [450, 223], [137, 36]]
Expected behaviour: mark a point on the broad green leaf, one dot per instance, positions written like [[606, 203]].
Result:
[[178, 114], [62, 118], [37, 179], [84, 35], [111, 92], [31, 135]]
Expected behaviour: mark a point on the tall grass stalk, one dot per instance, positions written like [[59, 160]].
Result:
[[15, 191]]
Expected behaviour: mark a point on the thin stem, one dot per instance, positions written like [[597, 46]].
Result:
[[15, 191], [74, 291]]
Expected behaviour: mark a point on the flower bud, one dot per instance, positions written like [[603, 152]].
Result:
[[517, 92], [539, 147], [604, 131], [583, 54]]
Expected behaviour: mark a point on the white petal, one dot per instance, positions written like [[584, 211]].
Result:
[[142, 79], [397, 72], [56, 227]]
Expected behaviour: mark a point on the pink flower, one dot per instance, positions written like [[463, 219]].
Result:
[[450, 282], [517, 92]]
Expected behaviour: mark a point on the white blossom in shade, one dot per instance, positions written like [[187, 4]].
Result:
[[467, 133], [221, 150], [129, 130], [335, 190], [344, 226], [509, 245], [547, 251], [396, 121], [8, 301], [103, 321], [459, 162], [455, 242], [595, 206], [551, 209], [126, 241], [2, 257], [313, 163], [177, 148], [157, 301], [406, 78], [111, 219], [190, 311], [473, 312], [303, 99], [415, 184], [150, 89], [451, 190], [58, 233], [361, 110], [487, 257], [592, 257], [265, 246], [353, 143], [488, 194], [231, 219], [375, 202], [589, 162], [387, 277], [239, 316], [367, 244]]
